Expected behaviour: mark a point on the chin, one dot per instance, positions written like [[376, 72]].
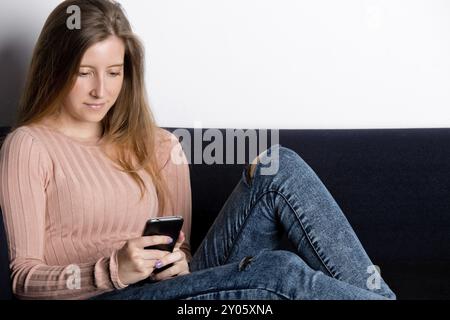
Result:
[[93, 119]]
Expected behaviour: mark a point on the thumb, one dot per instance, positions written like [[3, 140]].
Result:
[[180, 240]]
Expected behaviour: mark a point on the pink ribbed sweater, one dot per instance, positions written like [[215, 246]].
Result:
[[67, 209]]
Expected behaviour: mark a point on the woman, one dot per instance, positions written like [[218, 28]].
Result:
[[86, 166]]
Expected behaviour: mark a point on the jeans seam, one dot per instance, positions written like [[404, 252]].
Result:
[[307, 234], [296, 215], [227, 255]]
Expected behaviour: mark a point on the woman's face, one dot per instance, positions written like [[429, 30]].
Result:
[[98, 83]]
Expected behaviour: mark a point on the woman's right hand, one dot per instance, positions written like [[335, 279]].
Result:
[[136, 263]]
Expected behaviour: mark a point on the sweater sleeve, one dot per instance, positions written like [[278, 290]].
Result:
[[175, 171], [25, 171]]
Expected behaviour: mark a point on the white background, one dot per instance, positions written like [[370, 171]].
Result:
[[273, 63]]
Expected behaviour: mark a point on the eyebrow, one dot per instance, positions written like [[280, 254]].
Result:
[[114, 65]]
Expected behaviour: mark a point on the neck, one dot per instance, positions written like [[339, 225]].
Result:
[[80, 130]]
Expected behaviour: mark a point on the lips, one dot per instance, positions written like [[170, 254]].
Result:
[[95, 106]]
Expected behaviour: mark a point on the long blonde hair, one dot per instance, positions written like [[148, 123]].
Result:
[[129, 125]]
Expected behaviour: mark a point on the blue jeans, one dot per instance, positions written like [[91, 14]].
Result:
[[240, 257]]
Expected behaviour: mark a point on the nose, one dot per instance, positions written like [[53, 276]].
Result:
[[98, 89]]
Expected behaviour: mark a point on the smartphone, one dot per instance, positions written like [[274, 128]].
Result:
[[165, 226]]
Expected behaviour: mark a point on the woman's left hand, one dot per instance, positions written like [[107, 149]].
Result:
[[177, 257]]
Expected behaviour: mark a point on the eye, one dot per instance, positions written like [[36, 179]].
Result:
[[84, 74], [115, 74]]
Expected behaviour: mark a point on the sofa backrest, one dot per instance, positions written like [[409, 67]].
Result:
[[5, 282], [393, 186]]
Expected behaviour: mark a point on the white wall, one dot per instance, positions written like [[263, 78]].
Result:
[[20, 24], [286, 63]]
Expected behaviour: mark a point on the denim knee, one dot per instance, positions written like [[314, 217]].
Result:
[[281, 162], [289, 159], [277, 164]]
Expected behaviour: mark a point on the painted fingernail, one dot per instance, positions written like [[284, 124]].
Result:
[[169, 240], [158, 264]]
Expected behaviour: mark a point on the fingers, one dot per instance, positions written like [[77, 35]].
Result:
[[177, 269], [145, 266], [168, 273], [158, 259], [180, 240], [146, 241], [173, 257], [147, 254]]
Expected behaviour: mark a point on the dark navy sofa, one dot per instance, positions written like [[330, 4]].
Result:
[[392, 184]]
